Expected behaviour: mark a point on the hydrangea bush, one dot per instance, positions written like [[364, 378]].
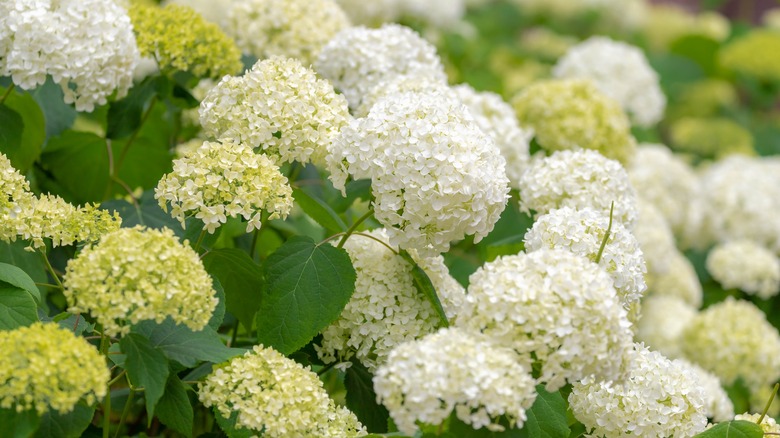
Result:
[[395, 218]]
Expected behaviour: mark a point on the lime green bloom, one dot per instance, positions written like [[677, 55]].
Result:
[[178, 38], [45, 367], [573, 114], [711, 137], [756, 54], [703, 99], [14, 197]]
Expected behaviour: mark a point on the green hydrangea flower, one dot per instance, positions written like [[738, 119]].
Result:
[[756, 54], [711, 137]]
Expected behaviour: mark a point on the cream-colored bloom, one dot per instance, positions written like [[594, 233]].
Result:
[[45, 367], [15, 197], [768, 424], [678, 280], [661, 324], [276, 397], [137, 274], [747, 266], [717, 404]]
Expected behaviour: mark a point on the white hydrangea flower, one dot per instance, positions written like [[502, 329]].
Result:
[[443, 14], [357, 59], [290, 28], [403, 84], [497, 118], [86, 46], [661, 324], [679, 280], [224, 179], [214, 11], [436, 177], [717, 404], [768, 424], [655, 237], [578, 179], [667, 182], [733, 339], [619, 70], [582, 232], [426, 380], [280, 107], [557, 305], [386, 309], [659, 398], [373, 13], [745, 265]]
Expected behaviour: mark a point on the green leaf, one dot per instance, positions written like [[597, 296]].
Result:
[[124, 116], [307, 286], [318, 210], [57, 114], [179, 343], [148, 213], [11, 128], [13, 276], [361, 398], [174, 408], [17, 308], [547, 416], [14, 253], [462, 430], [146, 367], [24, 153], [70, 425], [509, 246], [18, 424], [424, 285], [242, 280], [228, 425], [733, 429], [78, 161], [146, 161]]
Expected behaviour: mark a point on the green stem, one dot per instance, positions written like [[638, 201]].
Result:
[[354, 226], [768, 403], [52, 271], [104, 345], [49, 285], [606, 235], [256, 234], [200, 240], [125, 411], [7, 93], [234, 336], [326, 368], [132, 138], [118, 377]]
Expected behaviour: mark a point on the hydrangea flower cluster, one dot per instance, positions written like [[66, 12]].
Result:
[[386, 309], [497, 119], [222, 179], [733, 339], [620, 71], [572, 114], [453, 369], [655, 238], [86, 46], [717, 404], [555, 304], [740, 55], [403, 84], [582, 232], [744, 265], [436, 177], [45, 367], [179, 38], [661, 325], [214, 11], [289, 28], [768, 424], [659, 398], [14, 197], [679, 280], [137, 274], [666, 23], [711, 137], [443, 14], [373, 13], [279, 106], [276, 396], [578, 179], [358, 59]]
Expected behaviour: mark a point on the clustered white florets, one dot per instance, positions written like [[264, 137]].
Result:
[[619, 70], [558, 306], [450, 370], [436, 177], [717, 404], [680, 280], [86, 46], [747, 266], [222, 179], [661, 325]]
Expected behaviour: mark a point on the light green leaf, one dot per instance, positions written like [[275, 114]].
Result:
[[733, 429], [14, 253], [18, 424], [148, 213], [361, 398], [70, 425], [306, 288], [147, 367], [178, 342], [17, 308], [174, 409], [228, 425], [241, 278], [424, 285], [13, 276], [318, 210], [547, 416]]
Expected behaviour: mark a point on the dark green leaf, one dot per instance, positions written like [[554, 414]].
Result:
[[182, 98], [18, 424], [14, 253], [228, 425], [58, 115], [174, 409], [17, 308], [361, 398], [547, 416], [319, 211], [146, 367], [219, 312], [13, 276], [70, 425], [11, 128], [733, 429], [148, 213], [509, 246], [739, 394], [242, 280], [78, 161], [358, 189], [178, 342], [700, 49], [147, 159], [462, 430], [24, 154], [124, 116], [424, 285], [306, 288]]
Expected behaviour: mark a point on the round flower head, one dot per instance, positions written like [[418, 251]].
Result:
[[373, 13], [357, 59], [665, 181], [745, 265], [289, 28], [15, 197], [655, 238], [578, 179], [180, 39], [436, 177], [222, 179], [46, 368], [704, 98], [678, 280], [86, 46], [137, 274], [768, 424], [443, 14], [733, 339], [713, 137], [452, 369], [659, 398], [669, 22], [572, 114], [386, 309], [754, 54], [497, 119], [717, 404], [279, 106], [214, 11], [403, 84], [557, 305], [620, 71], [661, 324], [276, 397], [582, 232]]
